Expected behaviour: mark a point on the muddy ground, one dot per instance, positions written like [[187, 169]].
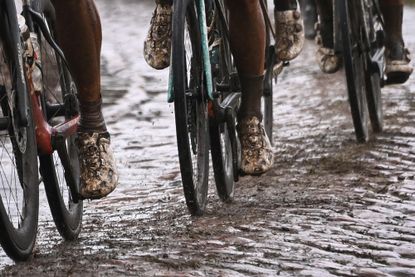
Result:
[[328, 207]]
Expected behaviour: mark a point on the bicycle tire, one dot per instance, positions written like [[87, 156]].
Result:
[[374, 101], [220, 141], [267, 98], [59, 91], [267, 102], [375, 59], [354, 60], [18, 227], [222, 161], [190, 105]]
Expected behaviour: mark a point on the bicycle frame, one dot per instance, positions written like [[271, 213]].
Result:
[[201, 11], [224, 97], [48, 138]]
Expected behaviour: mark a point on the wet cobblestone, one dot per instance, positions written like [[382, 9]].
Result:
[[329, 207]]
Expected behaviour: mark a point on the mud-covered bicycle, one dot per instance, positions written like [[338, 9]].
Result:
[[204, 87], [38, 118]]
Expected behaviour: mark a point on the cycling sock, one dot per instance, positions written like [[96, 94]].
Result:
[[392, 2], [393, 16], [252, 89], [92, 119], [285, 5], [164, 2]]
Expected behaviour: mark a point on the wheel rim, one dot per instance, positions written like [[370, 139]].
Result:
[[197, 115], [13, 143], [354, 64]]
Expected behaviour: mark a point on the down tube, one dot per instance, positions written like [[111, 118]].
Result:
[[201, 11], [205, 52]]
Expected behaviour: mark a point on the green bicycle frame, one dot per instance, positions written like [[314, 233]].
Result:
[[201, 12]]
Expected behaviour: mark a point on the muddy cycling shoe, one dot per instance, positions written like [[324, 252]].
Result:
[[257, 156], [398, 65], [98, 172], [289, 33], [327, 60], [157, 45]]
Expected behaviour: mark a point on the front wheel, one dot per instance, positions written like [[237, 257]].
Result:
[[354, 63], [190, 105], [19, 182]]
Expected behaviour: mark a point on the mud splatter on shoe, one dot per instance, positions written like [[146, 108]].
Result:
[[327, 59], [398, 65], [257, 156], [157, 45], [98, 172], [290, 34]]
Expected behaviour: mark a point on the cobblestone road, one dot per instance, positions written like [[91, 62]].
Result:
[[329, 207]]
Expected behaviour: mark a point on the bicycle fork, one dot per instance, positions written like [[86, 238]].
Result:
[[201, 12]]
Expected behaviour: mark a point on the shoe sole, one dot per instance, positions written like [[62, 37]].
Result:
[[397, 78]]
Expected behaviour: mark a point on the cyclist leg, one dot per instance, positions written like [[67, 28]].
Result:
[[398, 67], [328, 61], [289, 29], [79, 34], [157, 45], [309, 13], [247, 35]]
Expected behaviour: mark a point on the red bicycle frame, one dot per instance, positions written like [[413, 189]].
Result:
[[45, 134]]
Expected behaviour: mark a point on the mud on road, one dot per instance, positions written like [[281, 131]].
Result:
[[329, 206]]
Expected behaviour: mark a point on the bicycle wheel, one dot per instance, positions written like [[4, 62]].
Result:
[[59, 102], [374, 101], [375, 63], [354, 63], [267, 104], [222, 160], [224, 168], [19, 182], [190, 105]]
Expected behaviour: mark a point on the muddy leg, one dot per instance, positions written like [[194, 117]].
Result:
[[398, 67], [78, 29], [247, 34]]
